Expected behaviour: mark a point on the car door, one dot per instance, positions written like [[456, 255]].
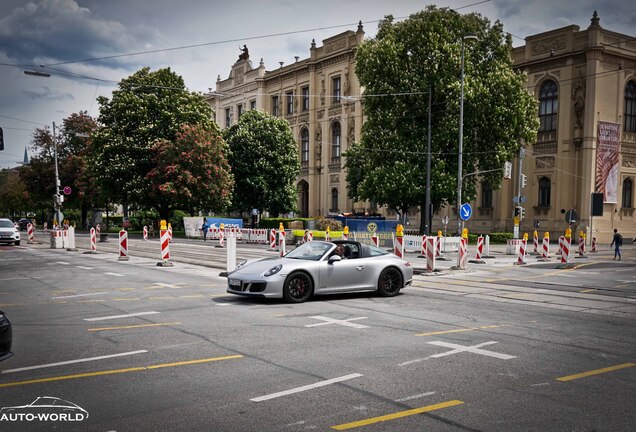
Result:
[[343, 275]]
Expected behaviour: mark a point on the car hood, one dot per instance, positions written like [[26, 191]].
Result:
[[260, 266], [7, 229]]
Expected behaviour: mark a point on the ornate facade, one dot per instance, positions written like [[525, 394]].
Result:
[[581, 79]]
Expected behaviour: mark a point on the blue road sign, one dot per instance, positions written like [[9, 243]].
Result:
[[465, 211]]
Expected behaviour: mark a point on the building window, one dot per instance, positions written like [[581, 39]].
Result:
[[630, 107], [253, 105], [548, 106], [275, 111], [335, 85], [486, 195], [228, 118], [304, 145], [334, 200], [544, 192], [627, 193], [239, 110], [290, 102], [335, 140], [305, 91]]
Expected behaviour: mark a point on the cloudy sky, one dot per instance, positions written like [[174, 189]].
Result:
[[68, 35]]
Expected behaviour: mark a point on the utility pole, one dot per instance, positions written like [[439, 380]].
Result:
[[427, 199], [57, 198]]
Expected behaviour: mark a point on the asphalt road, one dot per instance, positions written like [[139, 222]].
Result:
[[147, 348]]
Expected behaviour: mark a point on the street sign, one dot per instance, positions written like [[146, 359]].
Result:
[[571, 216], [465, 211], [445, 220], [67, 190]]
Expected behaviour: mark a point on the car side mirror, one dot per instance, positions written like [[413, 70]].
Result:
[[334, 258]]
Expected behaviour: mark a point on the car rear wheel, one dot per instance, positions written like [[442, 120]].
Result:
[[389, 282], [298, 287]]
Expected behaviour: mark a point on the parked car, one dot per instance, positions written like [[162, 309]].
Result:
[[9, 233], [22, 223], [6, 337], [314, 268]]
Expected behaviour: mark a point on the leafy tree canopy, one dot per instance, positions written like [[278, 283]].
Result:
[[264, 161], [397, 68]]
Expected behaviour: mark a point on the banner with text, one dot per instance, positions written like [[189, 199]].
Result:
[[607, 155]]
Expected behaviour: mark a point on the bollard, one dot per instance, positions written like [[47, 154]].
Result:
[[521, 259], [345, 233], [93, 241], [582, 245], [561, 240], [424, 246], [281, 241], [98, 230], [272, 239], [170, 232], [146, 232], [545, 253], [375, 240], [56, 239], [480, 248], [535, 238], [46, 226], [431, 247], [30, 234], [221, 237], [310, 236], [123, 245], [398, 243], [593, 244], [70, 245], [462, 256], [231, 250], [164, 240], [567, 242]]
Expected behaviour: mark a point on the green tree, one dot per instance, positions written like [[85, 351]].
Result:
[[264, 161], [397, 69], [13, 193], [191, 172], [147, 106]]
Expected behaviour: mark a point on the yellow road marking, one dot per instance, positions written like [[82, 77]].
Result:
[[91, 301], [460, 330], [161, 298], [12, 304], [191, 296], [132, 326], [125, 289], [595, 372], [118, 371], [588, 290], [397, 415]]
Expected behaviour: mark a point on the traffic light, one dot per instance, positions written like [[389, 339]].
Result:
[[524, 180], [517, 211], [522, 213], [1, 139]]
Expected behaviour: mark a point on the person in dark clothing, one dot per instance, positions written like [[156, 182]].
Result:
[[204, 229], [617, 242]]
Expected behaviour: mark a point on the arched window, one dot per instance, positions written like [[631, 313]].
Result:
[[548, 106], [335, 140], [544, 192], [304, 145], [334, 200], [630, 107], [486, 195], [627, 193]]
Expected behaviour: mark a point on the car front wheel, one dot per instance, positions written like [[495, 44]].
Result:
[[298, 287], [389, 282]]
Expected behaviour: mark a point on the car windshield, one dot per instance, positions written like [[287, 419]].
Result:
[[6, 224], [312, 251]]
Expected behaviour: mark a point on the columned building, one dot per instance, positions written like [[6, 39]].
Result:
[[320, 98], [584, 82]]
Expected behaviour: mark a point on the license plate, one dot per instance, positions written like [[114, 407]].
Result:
[[235, 283]]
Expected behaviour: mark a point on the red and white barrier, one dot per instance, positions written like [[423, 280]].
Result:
[[480, 248], [565, 254], [170, 232], [164, 239], [535, 239], [462, 257], [145, 232], [64, 238], [424, 246], [431, 247], [375, 240], [593, 244], [398, 246], [345, 236], [272, 239], [98, 230], [327, 236], [438, 248], [561, 240], [310, 236], [545, 251], [221, 238], [281, 242], [30, 233], [93, 240], [46, 226], [521, 258], [123, 246]]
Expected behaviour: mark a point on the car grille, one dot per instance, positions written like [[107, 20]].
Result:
[[249, 286]]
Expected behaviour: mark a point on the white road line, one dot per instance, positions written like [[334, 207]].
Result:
[[62, 263], [336, 321], [307, 387], [14, 278], [71, 362], [121, 316], [84, 268], [79, 295], [473, 349], [114, 274], [165, 285], [415, 397]]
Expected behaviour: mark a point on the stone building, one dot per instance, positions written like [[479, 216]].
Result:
[[317, 96], [584, 81]]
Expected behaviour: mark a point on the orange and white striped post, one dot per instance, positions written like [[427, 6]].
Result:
[[430, 253], [398, 246], [462, 256], [145, 232], [375, 240], [535, 238], [424, 246], [221, 236], [30, 233], [593, 244], [480, 251], [545, 253], [281, 239], [272, 239], [98, 230], [93, 233], [164, 240], [521, 258], [123, 246], [582, 244], [170, 232], [567, 242]]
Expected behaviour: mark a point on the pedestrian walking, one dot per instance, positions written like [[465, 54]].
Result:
[[617, 242], [204, 229]]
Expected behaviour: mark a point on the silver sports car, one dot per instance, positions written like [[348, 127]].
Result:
[[319, 267]]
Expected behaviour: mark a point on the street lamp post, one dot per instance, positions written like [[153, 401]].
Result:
[[57, 198], [467, 37]]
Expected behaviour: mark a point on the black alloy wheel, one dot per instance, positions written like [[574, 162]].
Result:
[[390, 282], [298, 287]]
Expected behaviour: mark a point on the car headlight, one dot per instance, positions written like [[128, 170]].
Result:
[[241, 264], [273, 270]]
